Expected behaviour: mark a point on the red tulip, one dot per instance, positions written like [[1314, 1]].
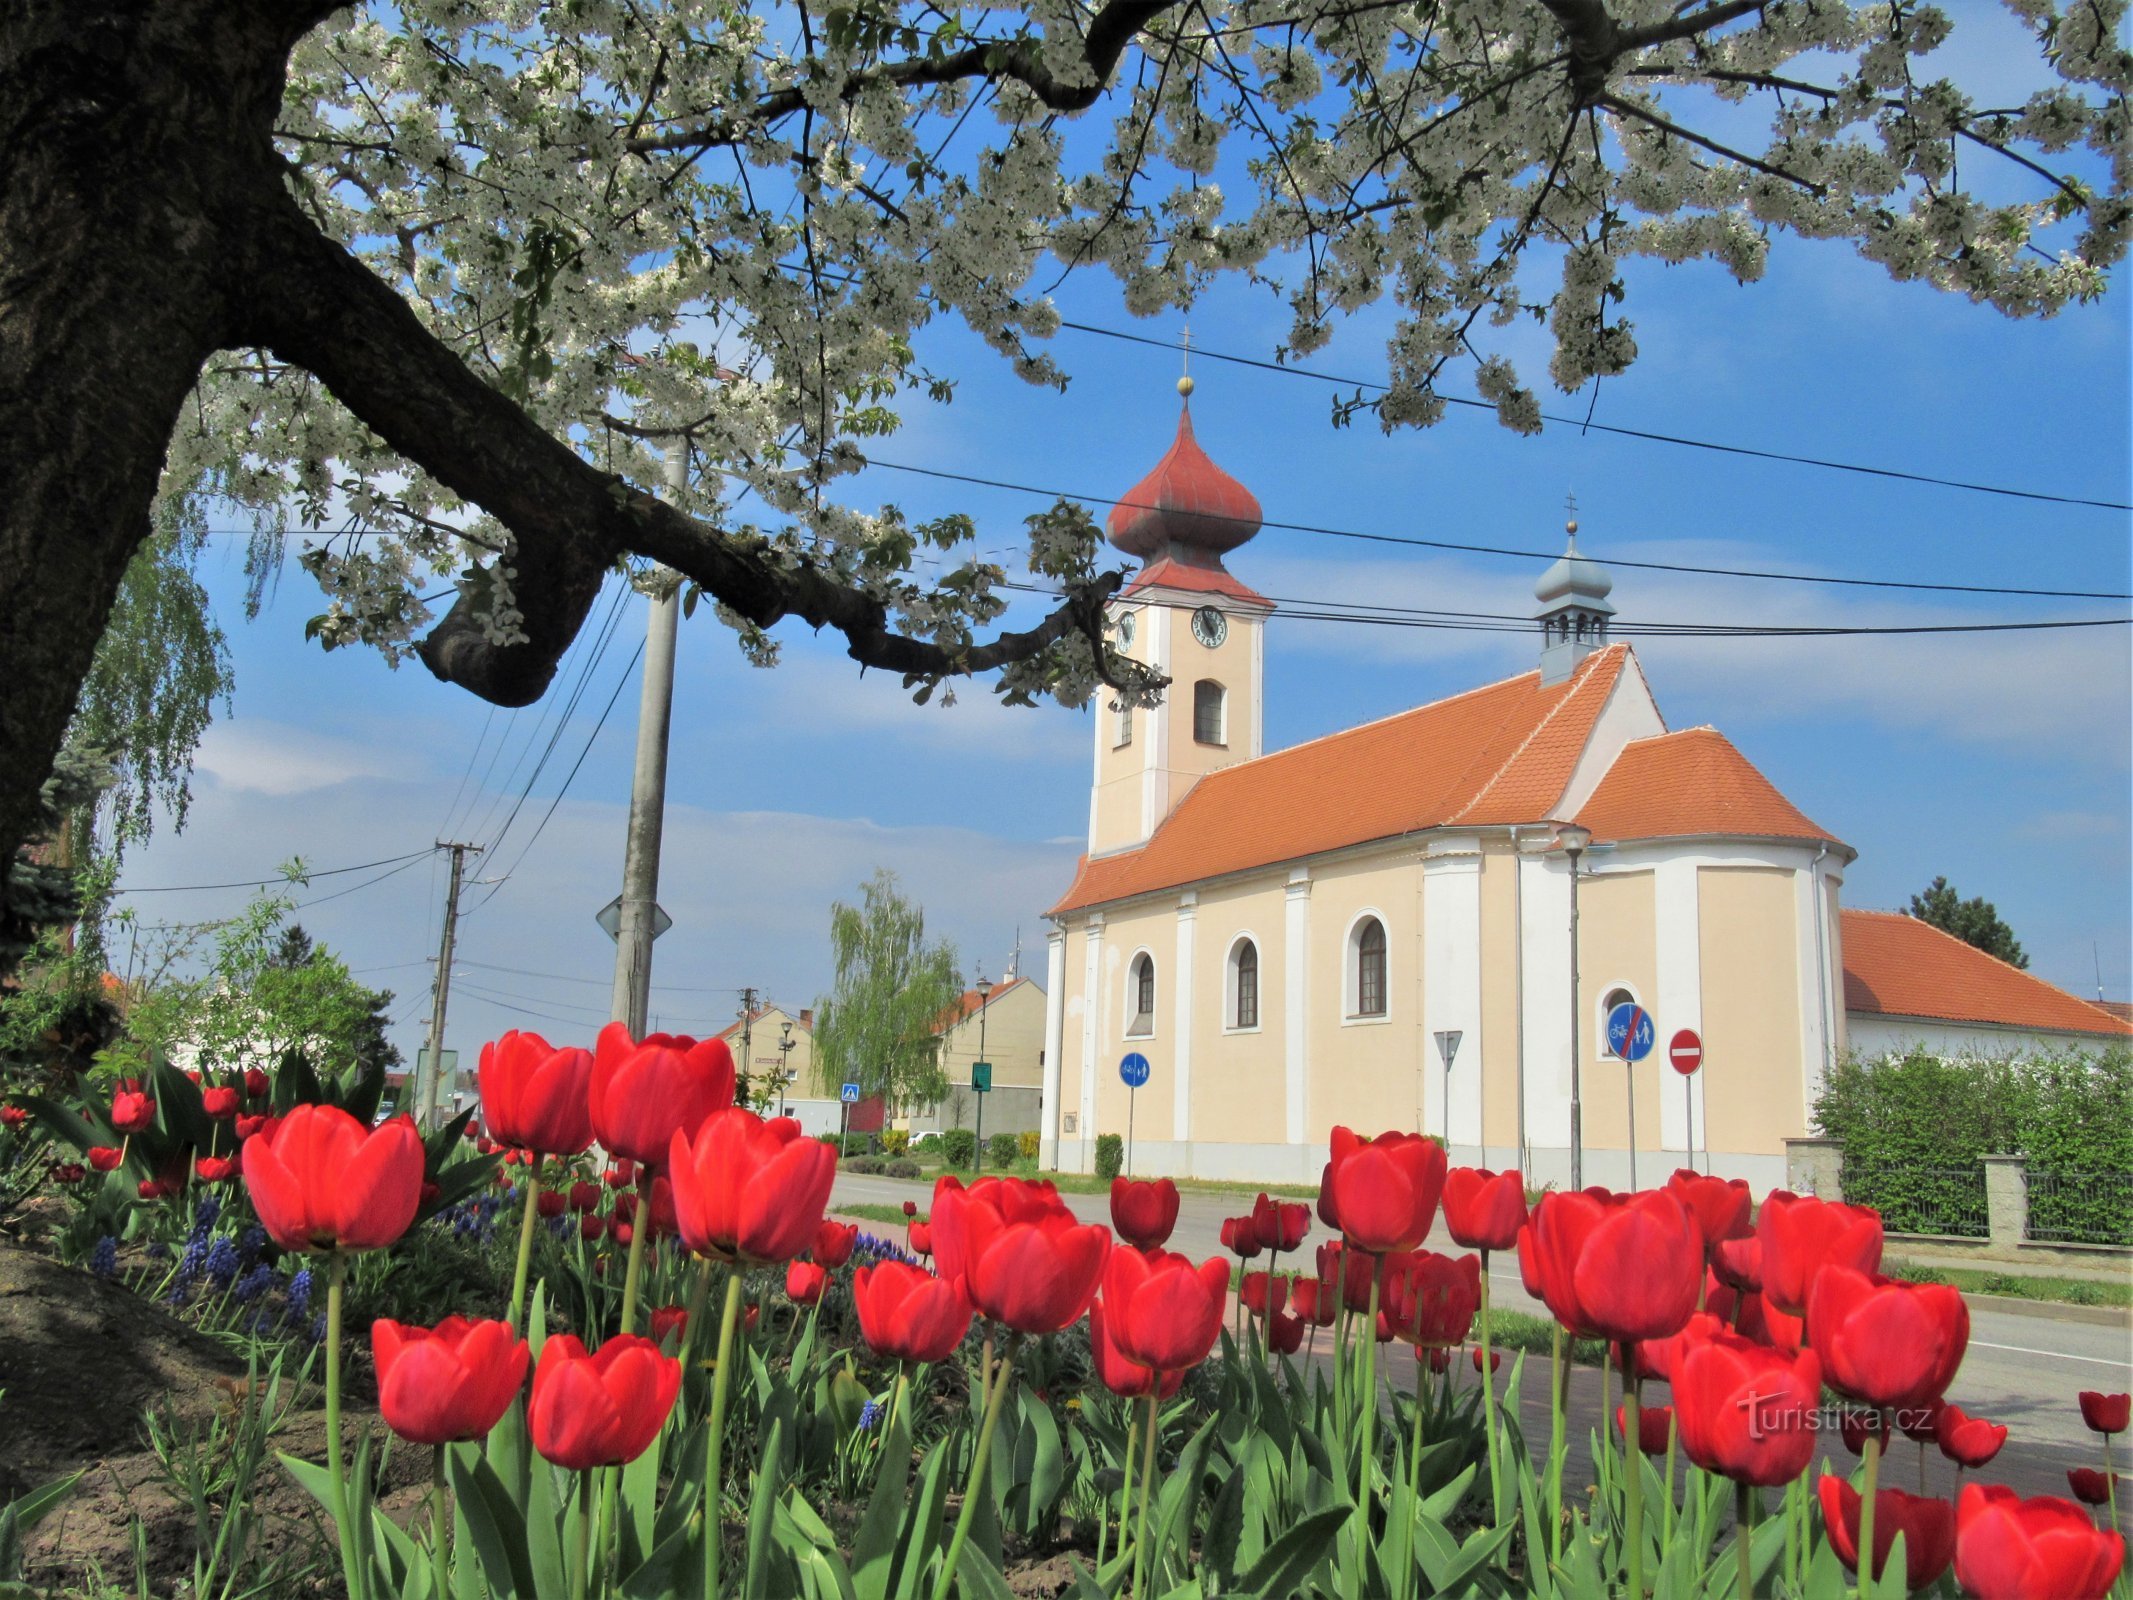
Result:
[[1386, 1188], [1255, 1290], [1240, 1238], [132, 1111], [105, 1157], [1473, 1352], [1921, 1424], [1119, 1372], [484, 1145], [1800, 1237], [910, 1208], [1279, 1225], [591, 1225], [155, 1188], [214, 1169], [1722, 1205], [619, 1231], [2091, 1487], [919, 1236], [1747, 1412], [67, 1172], [659, 1201], [1165, 1312], [322, 1181], [804, 1283], [1624, 1267], [2104, 1413], [1927, 1526], [644, 1093], [584, 1196], [1352, 1270], [666, 1320], [249, 1125], [1484, 1210], [1859, 1425], [603, 1409], [2008, 1548], [1285, 1334], [1654, 1424], [13, 1116], [219, 1103], [1966, 1440], [255, 1083], [749, 1191], [907, 1314], [1144, 1211], [1313, 1302], [552, 1203], [1328, 1212], [1886, 1342], [750, 1317], [1022, 1257], [1431, 1299], [621, 1175], [625, 1208], [1532, 1274], [536, 1096], [835, 1242], [454, 1381], [1738, 1263], [1439, 1359]]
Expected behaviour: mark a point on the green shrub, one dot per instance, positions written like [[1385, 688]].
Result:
[[1918, 1272], [902, 1169], [2004, 1283], [895, 1141], [1027, 1145], [867, 1164], [2082, 1294], [959, 1148], [1002, 1151], [1110, 1156]]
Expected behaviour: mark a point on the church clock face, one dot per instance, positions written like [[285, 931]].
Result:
[[1210, 626]]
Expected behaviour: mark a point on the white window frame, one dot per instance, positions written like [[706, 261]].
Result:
[[1122, 728], [1135, 1017], [1221, 742], [1600, 1004], [1229, 984], [1352, 971]]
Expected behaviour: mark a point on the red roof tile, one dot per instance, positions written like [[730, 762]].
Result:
[[1689, 784], [1497, 754], [1898, 966], [965, 1005], [1165, 573], [1186, 500]]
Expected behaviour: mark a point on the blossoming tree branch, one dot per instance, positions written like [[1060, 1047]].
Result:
[[438, 280]]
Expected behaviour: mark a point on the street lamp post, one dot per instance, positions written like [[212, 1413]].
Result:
[[785, 1046], [1572, 841], [977, 1158]]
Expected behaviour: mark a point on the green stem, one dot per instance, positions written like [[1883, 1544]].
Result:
[[692, 1327], [2110, 1480], [1744, 1519], [525, 1246], [1673, 1437], [581, 1569], [1370, 1382], [977, 1467], [1414, 1461], [440, 1528], [1556, 1377], [1633, 1464], [715, 1441], [897, 1398], [351, 1569], [640, 1225], [1125, 1489], [1140, 1536], [1607, 1434], [1866, 1508], [1488, 1398]]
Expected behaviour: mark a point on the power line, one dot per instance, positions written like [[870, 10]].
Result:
[[406, 866], [598, 983], [1523, 555], [1584, 425], [266, 883]]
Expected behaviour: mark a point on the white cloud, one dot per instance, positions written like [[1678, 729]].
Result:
[[278, 758]]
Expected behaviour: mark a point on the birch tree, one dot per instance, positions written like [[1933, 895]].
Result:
[[879, 1026]]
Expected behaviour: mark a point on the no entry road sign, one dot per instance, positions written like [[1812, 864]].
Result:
[[1630, 1032], [1684, 1052]]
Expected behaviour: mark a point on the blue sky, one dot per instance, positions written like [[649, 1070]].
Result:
[[2000, 760]]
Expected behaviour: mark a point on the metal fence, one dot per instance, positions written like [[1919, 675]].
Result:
[[2080, 1207], [1941, 1200]]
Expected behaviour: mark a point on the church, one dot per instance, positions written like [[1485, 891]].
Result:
[[1376, 928]]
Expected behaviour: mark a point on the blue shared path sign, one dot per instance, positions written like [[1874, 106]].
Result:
[[849, 1094], [1134, 1069], [1630, 1032]]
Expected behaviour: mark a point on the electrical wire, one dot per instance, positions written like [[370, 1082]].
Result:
[[353, 888], [598, 983], [267, 883]]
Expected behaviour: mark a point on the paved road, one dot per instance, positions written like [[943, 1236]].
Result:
[[2020, 1370]]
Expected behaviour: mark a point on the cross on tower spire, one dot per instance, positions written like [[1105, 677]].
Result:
[[1185, 363]]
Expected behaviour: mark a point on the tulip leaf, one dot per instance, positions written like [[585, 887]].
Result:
[[640, 1498], [496, 1527], [312, 1476], [922, 1535], [874, 1545], [506, 1450], [544, 1534], [404, 1567], [767, 1478], [1291, 1559]]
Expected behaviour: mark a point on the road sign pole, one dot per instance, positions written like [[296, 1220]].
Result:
[[977, 1159], [1688, 1093], [1132, 1095], [1629, 1077], [844, 1117]]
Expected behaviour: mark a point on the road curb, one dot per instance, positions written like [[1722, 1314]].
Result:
[[2052, 1310]]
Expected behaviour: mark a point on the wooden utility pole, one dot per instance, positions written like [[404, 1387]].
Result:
[[441, 991]]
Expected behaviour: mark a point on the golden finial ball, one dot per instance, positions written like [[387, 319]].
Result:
[[1571, 527], [1185, 387]]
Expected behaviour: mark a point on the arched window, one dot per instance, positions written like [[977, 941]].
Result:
[[1370, 968], [1244, 985], [1141, 995], [1615, 994], [1209, 710]]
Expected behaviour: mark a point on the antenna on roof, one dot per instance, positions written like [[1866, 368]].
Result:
[[2096, 950]]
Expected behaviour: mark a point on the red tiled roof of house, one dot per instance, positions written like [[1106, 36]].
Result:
[[966, 1004], [1689, 784], [2122, 1010], [1898, 966], [1167, 573], [1502, 753]]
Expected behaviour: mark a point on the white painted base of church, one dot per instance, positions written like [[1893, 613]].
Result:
[[1281, 1163]]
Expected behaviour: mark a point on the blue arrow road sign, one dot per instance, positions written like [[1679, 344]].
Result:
[[849, 1094], [1134, 1069], [1630, 1032]]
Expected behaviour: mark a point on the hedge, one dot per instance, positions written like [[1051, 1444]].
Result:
[[1913, 1129], [959, 1148], [1110, 1155]]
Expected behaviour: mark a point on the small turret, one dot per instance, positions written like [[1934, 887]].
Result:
[[1574, 611]]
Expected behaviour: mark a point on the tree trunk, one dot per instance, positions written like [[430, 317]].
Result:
[[125, 128]]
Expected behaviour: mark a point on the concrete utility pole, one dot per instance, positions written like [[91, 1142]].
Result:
[[441, 992], [648, 792], [747, 1033]]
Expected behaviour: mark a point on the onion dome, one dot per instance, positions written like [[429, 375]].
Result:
[[1186, 502], [1574, 578]]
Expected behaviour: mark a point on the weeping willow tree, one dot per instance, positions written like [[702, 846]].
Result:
[[879, 1026]]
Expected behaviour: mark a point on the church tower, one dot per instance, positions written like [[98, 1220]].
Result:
[[1574, 612], [1186, 616]]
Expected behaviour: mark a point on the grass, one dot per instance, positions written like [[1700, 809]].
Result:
[[1518, 1330], [1978, 1280], [1088, 1183], [869, 1211]]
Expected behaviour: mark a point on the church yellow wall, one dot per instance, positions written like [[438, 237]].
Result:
[[1616, 946], [1153, 928], [1365, 1073], [1499, 1001], [1751, 1006], [1239, 1084]]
